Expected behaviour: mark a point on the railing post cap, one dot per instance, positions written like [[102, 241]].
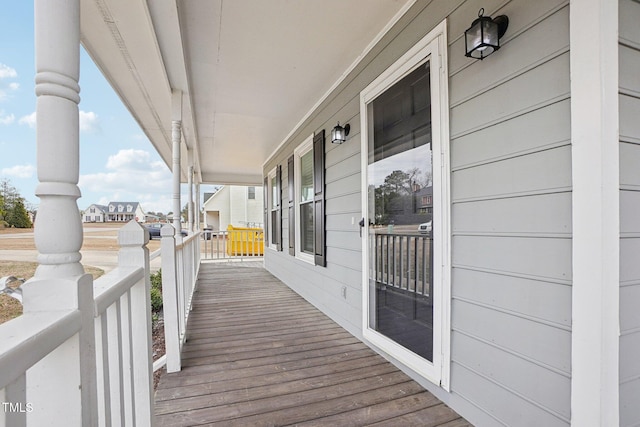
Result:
[[133, 234], [167, 230]]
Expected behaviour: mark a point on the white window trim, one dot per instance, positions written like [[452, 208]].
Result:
[[270, 176], [301, 150], [434, 47]]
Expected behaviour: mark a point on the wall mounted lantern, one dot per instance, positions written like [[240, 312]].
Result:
[[339, 134], [483, 37]]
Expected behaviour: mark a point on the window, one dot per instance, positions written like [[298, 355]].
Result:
[[120, 208], [92, 210], [251, 193], [273, 208], [112, 208], [308, 209], [129, 208]]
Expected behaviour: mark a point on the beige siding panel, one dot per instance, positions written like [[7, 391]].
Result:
[[629, 123], [514, 97], [629, 211], [541, 344], [515, 256], [502, 368], [545, 214], [546, 301], [523, 134], [522, 15], [629, 392], [504, 405], [629, 11], [548, 38], [346, 185], [629, 355], [629, 265], [347, 167], [541, 172], [629, 66], [343, 204]]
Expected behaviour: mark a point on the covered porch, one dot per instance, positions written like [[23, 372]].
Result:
[[256, 353]]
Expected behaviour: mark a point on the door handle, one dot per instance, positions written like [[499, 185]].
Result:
[[361, 223]]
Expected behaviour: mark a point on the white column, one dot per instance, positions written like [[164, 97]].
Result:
[[62, 386], [190, 203], [596, 213], [176, 139], [171, 308], [197, 208], [58, 228]]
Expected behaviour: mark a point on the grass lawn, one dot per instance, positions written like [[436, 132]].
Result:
[[10, 307]]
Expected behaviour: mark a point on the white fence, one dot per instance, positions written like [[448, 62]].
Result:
[[81, 353], [180, 264]]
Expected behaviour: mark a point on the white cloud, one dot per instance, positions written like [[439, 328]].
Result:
[[19, 171], [6, 119], [131, 175], [89, 121], [7, 72], [14, 86], [29, 120]]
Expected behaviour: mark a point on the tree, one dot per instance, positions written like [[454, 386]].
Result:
[[12, 206], [19, 217]]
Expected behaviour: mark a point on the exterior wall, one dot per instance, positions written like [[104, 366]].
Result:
[[629, 104], [219, 202], [244, 210], [511, 209]]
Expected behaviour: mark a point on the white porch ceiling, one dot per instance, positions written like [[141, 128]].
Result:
[[249, 70]]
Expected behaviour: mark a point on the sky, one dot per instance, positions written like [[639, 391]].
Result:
[[117, 161]]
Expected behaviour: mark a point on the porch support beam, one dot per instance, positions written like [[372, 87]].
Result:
[[190, 203], [62, 386], [176, 139], [596, 213], [197, 208], [57, 44]]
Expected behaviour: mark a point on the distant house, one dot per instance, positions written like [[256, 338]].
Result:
[[124, 211], [114, 212], [95, 213], [235, 205]]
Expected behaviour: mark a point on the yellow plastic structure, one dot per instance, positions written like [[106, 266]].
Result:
[[243, 241]]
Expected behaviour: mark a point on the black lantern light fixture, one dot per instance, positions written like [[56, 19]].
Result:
[[339, 134], [483, 37]]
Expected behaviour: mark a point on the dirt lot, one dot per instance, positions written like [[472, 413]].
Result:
[[10, 307], [97, 237]]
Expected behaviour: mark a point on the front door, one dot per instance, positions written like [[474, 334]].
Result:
[[404, 226], [399, 173]]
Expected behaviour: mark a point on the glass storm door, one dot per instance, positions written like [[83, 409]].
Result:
[[400, 213]]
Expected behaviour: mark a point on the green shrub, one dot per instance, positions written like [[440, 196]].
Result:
[[156, 280], [156, 291], [156, 300]]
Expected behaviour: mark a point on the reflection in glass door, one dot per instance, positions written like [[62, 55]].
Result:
[[400, 212]]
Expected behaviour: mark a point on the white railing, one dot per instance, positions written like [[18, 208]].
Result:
[[80, 355], [233, 244], [180, 265]]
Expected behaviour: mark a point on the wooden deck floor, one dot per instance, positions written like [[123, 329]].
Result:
[[257, 354]]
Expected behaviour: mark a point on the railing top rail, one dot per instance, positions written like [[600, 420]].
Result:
[[155, 254], [27, 339], [108, 288], [188, 239]]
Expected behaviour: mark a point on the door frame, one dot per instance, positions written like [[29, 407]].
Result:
[[434, 47]]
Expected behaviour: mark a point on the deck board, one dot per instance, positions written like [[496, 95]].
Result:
[[258, 354]]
